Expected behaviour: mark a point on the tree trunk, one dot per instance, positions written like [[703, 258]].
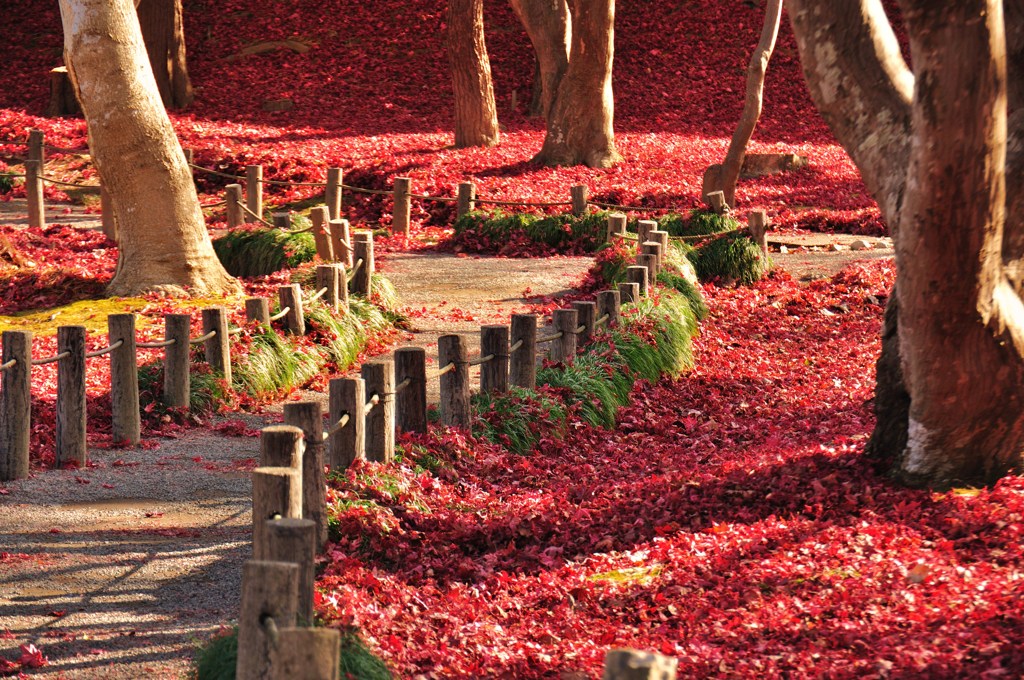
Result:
[[730, 171], [476, 116], [164, 245], [163, 32], [579, 126], [548, 24]]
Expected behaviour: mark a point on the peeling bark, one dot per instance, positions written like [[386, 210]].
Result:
[[476, 115]]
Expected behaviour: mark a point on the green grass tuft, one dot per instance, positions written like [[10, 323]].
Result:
[[257, 252], [733, 258], [272, 365], [518, 419]]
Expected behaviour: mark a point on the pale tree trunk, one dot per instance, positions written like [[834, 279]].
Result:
[[164, 245], [163, 32], [729, 173], [476, 116], [549, 27], [579, 125]]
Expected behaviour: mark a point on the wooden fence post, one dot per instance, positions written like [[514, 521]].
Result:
[[494, 373], [346, 444], [306, 654], [124, 380], [332, 193], [523, 360], [650, 263], [586, 314], [294, 541], [451, 349], [16, 399], [363, 250], [282, 446], [341, 243], [653, 248], [379, 379], [275, 493], [258, 309], [660, 236], [403, 206], [217, 348], [34, 192], [638, 274], [320, 216], [631, 664], [71, 447], [290, 296], [282, 221], [308, 417], [630, 292], [564, 321], [616, 226], [254, 189], [233, 205], [411, 401], [643, 231], [269, 594], [716, 199], [177, 387], [37, 146], [579, 199], [757, 222], [466, 199], [107, 221], [327, 276], [608, 303]]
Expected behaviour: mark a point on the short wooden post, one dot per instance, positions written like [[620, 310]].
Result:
[[347, 444], [451, 349], [269, 600], [71, 447], [638, 274], [62, 94], [650, 263], [643, 231], [218, 347], [653, 248], [757, 222], [34, 193], [661, 237], [616, 226], [632, 664], [37, 146], [319, 215], [630, 292], [363, 251], [276, 492], [379, 378], [608, 304], [308, 417], [579, 199], [523, 359], [107, 221], [258, 309], [564, 321], [16, 399], [332, 193], [233, 205], [177, 387], [466, 199], [411, 400], [294, 540], [190, 157], [290, 296], [306, 654], [282, 446], [124, 379], [254, 189], [716, 200], [341, 245], [494, 373], [282, 221], [328, 276], [403, 206], [586, 314]]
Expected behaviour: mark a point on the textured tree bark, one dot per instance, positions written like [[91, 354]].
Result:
[[548, 24], [579, 124], [164, 245], [163, 32], [476, 115]]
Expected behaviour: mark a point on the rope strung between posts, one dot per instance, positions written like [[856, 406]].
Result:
[[402, 385], [551, 204], [40, 362], [8, 365], [280, 315], [481, 360], [59, 149], [549, 338], [603, 320], [443, 199], [203, 338], [70, 184], [351, 275], [518, 344], [213, 205], [338, 426], [214, 172], [156, 345], [360, 190], [580, 329], [246, 209], [317, 295], [450, 366], [101, 352], [635, 208], [271, 628], [371, 402], [236, 331]]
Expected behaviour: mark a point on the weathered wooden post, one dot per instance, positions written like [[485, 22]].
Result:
[[363, 252], [631, 664], [282, 221], [16, 399], [411, 400], [217, 347], [716, 200], [177, 367], [233, 205], [660, 236], [254, 189], [258, 309], [578, 194], [276, 492], [328, 276], [638, 274], [341, 244], [124, 379], [34, 193], [290, 297], [653, 248], [494, 373], [269, 600], [643, 231], [306, 654], [586, 314], [757, 222], [379, 379], [346, 444], [616, 226], [564, 322], [451, 350], [71, 447], [294, 541], [37, 146], [308, 417], [332, 193], [630, 292], [608, 304], [403, 206], [282, 446], [523, 351], [320, 217], [466, 199], [650, 263], [107, 222]]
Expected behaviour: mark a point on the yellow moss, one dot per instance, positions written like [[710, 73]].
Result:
[[639, 575]]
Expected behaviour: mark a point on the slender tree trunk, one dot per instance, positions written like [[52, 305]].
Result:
[[756, 70], [164, 245], [549, 26], [476, 116], [163, 31], [579, 125]]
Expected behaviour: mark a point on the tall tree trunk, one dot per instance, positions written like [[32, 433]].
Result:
[[163, 31], [579, 125], [756, 70], [549, 27], [164, 245], [476, 116]]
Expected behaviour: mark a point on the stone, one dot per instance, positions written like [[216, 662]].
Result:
[[836, 247], [861, 244], [783, 250], [278, 105]]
